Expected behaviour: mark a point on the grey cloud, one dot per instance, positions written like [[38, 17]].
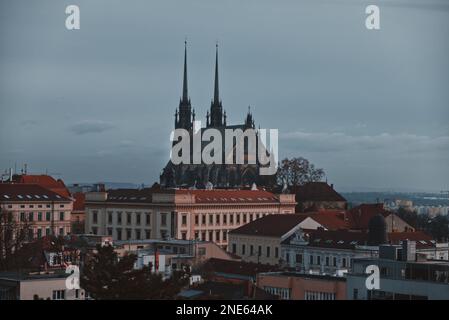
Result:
[[91, 126]]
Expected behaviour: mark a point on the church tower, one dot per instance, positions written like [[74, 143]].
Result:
[[184, 117], [216, 109]]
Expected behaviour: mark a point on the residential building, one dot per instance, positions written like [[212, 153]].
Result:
[[300, 286], [404, 275], [313, 196], [41, 211], [37, 286], [206, 215]]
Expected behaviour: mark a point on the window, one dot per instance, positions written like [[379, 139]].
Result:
[[244, 218], [197, 234], [217, 236], [327, 261], [58, 294], [225, 235], [268, 252], [119, 234], [211, 236], [243, 249], [334, 261], [231, 218], [128, 234], [22, 216], [148, 219], [95, 217], [138, 234], [225, 219], [110, 217], [184, 220], [217, 219], [39, 233], [203, 236], [203, 219], [234, 248], [48, 216], [251, 250], [128, 218], [61, 216], [61, 231], [163, 219], [259, 252], [39, 216], [47, 231], [299, 258], [109, 231], [311, 259], [197, 219], [184, 235], [318, 260], [148, 234], [343, 262], [238, 218], [94, 230], [138, 219]]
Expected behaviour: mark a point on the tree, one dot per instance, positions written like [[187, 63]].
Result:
[[298, 171], [106, 277], [14, 233]]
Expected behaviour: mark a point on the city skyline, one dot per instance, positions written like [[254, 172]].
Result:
[[97, 104]]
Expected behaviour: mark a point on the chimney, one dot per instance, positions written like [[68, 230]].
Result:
[[332, 185]]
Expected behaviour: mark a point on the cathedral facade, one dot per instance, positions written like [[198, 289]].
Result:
[[218, 175]]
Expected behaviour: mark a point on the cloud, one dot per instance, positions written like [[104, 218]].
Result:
[[383, 142], [91, 126]]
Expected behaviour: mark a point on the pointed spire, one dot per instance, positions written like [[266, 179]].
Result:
[[185, 96], [216, 94]]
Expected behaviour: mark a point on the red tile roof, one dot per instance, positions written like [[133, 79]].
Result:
[[79, 203], [230, 196], [28, 192], [45, 181], [359, 217], [272, 225], [329, 219]]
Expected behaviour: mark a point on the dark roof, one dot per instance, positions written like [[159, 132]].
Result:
[[20, 192], [130, 195], [316, 191], [304, 275], [230, 196], [272, 225], [232, 267]]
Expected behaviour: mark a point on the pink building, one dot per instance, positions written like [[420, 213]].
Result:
[[41, 210]]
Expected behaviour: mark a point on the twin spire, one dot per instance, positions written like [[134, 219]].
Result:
[[217, 118]]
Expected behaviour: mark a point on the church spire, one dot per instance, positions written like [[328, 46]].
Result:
[[185, 96], [216, 93]]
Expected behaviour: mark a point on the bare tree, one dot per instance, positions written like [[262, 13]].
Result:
[[14, 232], [298, 171]]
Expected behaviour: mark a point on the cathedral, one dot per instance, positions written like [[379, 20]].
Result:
[[212, 175]]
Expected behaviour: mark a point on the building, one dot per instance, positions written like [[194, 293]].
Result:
[[79, 213], [260, 240], [332, 252], [37, 286], [359, 217], [45, 181], [314, 196], [300, 286], [404, 275], [220, 174], [207, 215], [41, 211]]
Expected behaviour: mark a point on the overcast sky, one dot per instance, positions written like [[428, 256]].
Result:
[[97, 104]]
